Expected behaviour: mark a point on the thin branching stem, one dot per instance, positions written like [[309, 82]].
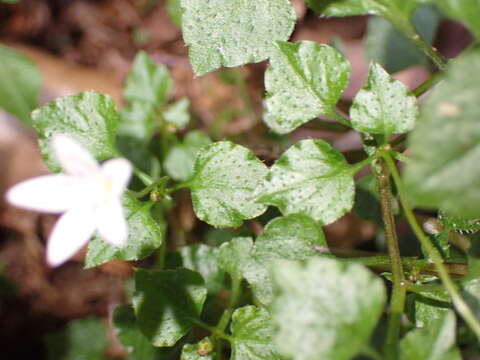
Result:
[[397, 299], [460, 305]]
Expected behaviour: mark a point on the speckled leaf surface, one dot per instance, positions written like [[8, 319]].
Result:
[[89, 118], [234, 256], [384, 106], [293, 237], [144, 236], [310, 178], [434, 342], [340, 304], [180, 159], [445, 146], [167, 302], [235, 32], [224, 185], [204, 260], [252, 330], [304, 80]]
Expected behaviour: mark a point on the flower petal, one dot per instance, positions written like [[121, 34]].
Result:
[[111, 223], [71, 232], [118, 172], [74, 158], [50, 193]]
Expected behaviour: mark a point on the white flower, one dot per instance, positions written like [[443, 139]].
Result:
[[88, 194]]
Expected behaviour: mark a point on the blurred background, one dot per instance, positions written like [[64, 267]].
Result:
[[90, 44]]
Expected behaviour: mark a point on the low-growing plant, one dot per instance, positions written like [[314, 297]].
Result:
[[285, 294]]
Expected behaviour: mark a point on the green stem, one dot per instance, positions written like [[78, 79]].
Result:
[[427, 84], [383, 263], [244, 95], [144, 178], [361, 164], [406, 28], [397, 299], [227, 313], [179, 186], [460, 304], [212, 329]]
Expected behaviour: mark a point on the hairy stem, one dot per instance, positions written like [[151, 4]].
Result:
[[459, 303], [397, 300]]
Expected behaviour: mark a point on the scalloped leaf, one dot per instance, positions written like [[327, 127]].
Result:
[[304, 80], [235, 32], [311, 178], [224, 185]]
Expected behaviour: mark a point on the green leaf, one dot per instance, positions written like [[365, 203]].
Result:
[[83, 339], [20, 86], [304, 80], [292, 237], [88, 117], [465, 11], [234, 256], [200, 351], [204, 260], [391, 49], [180, 159], [252, 331], [367, 200], [448, 176], [233, 33], [174, 11], [428, 311], [224, 185], [324, 309], [434, 342], [145, 236], [167, 303], [384, 106], [344, 7], [137, 345], [147, 81], [394, 8], [177, 114], [137, 120], [311, 178]]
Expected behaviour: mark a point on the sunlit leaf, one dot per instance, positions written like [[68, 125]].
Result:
[[384, 106], [252, 331], [304, 80], [324, 309], [445, 145], [310, 178], [224, 185], [235, 32]]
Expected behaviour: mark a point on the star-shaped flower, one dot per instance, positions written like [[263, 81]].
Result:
[[88, 195]]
